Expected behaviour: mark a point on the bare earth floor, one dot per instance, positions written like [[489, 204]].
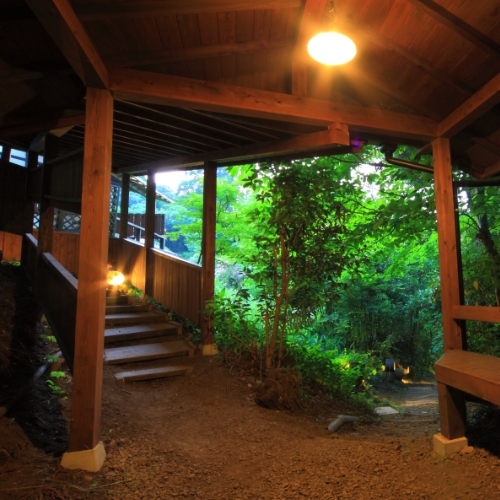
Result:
[[204, 437]]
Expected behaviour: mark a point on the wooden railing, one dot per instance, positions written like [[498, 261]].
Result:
[[30, 256], [56, 291], [177, 284]]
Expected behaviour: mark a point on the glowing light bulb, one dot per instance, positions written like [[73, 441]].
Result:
[[331, 48]]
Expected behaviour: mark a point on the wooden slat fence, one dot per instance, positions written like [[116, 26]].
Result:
[[10, 245], [56, 290], [177, 285]]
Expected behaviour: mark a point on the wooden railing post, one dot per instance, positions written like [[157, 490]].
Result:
[[91, 305], [149, 232], [46, 222], [124, 206], [451, 401], [208, 255]]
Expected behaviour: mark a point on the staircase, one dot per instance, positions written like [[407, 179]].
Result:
[[142, 339]]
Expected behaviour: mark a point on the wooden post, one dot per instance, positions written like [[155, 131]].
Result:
[[124, 206], [91, 304], [208, 254], [149, 232], [46, 222], [451, 401], [32, 163]]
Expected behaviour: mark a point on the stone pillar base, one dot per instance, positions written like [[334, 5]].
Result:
[[90, 460], [208, 349], [444, 447]]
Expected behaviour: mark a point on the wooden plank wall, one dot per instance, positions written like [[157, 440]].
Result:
[[10, 245], [177, 285], [128, 257]]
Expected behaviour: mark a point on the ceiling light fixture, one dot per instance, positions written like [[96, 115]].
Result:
[[331, 48]]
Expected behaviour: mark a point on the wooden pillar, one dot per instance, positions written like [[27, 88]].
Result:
[[46, 222], [91, 306], [451, 401], [149, 232], [208, 251], [32, 163], [124, 206]]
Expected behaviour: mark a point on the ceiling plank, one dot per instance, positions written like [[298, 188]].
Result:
[[108, 10], [494, 147], [478, 104], [465, 30], [33, 127], [491, 170], [373, 36], [64, 27], [337, 134], [201, 52], [309, 22], [142, 86]]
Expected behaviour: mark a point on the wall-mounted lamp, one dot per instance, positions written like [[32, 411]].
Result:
[[331, 48]]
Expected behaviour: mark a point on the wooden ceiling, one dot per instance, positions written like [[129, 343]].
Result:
[[226, 80]]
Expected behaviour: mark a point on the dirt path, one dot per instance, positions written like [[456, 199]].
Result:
[[204, 437]]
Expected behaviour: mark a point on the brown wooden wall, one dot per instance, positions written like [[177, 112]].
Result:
[[177, 285], [128, 257], [10, 245]]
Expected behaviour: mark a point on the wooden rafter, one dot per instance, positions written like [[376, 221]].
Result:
[[113, 9], [32, 127], [337, 134], [478, 104], [459, 26], [311, 15], [491, 170], [373, 36], [488, 144], [202, 52], [210, 96], [68, 33]]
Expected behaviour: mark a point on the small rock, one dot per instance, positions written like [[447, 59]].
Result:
[[467, 450]]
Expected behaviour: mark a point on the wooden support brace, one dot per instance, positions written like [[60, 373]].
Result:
[[451, 411], [91, 303], [149, 232], [124, 205]]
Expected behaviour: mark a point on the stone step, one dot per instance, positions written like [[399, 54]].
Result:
[[144, 352], [136, 332], [135, 318], [152, 373], [125, 308], [117, 299]]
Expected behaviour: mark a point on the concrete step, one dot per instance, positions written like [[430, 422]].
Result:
[[126, 308], [137, 332], [117, 299], [152, 373], [144, 352], [135, 318]]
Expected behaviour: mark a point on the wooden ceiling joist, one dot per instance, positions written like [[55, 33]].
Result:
[[110, 9], [474, 107], [465, 30], [68, 33], [336, 135], [42, 126], [153, 88], [191, 53]]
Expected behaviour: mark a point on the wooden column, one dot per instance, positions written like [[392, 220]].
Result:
[[32, 163], [149, 232], [451, 401], [91, 306], [46, 224], [124, 205], [208, 248]]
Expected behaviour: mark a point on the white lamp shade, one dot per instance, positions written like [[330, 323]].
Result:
[[331, 48]]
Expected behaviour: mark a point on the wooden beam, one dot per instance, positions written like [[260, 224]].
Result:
[[473, 108], [41, 126], [208, 249], [447, 240], [491, 170], [373, 36], [61, 23], [124, 205], [116, 10], [488, 144], [149, 231], [477, 313], [336, 134], [210, 96], [309, 22], [445, 17], [91, 303], [452, 414], [202, 52]]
